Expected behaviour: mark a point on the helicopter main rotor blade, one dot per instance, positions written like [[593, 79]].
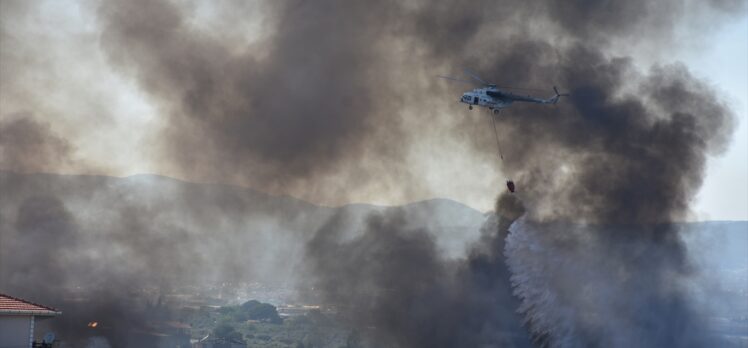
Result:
[[454, 79], [475, 76], [525, 89]]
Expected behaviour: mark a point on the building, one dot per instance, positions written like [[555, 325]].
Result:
[[17, 319]]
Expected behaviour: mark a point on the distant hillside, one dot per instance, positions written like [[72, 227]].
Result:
[[71, 238], [209, 231], [154, 225]]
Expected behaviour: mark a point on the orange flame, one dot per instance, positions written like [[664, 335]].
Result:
[[93, 324]]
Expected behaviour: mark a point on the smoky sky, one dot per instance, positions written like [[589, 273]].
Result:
[[30, 146], [331, 96], [296, 96], [323, 94], [280, 112]]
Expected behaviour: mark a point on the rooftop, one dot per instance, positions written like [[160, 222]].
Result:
[[10, 305]]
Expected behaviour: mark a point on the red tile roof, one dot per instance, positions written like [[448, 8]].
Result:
[[17, 306]]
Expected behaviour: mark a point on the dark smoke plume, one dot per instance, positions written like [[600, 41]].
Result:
[[284, 111], [625, 153], [30, 146], [115, 251], [395, 287], [325, 92], [127, 252]]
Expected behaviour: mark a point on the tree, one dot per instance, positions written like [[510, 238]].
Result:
[[256, 310], [227, 331]]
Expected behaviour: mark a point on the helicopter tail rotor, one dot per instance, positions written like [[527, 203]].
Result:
[[558, 95]]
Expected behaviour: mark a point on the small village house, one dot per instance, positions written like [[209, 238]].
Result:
[[17, 321]]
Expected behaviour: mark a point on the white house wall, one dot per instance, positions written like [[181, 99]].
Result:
[[14, 331]]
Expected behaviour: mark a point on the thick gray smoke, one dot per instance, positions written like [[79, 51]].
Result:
[[392, 283], [602, 176], [116, 251], [281, 112], [324, 93], [578, 290], [605, 175], [321, 92], [28, 146]]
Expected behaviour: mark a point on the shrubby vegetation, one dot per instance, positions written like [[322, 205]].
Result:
[[259, 325], [252, 310]]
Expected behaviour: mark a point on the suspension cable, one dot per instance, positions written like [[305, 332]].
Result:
[[496, 133]]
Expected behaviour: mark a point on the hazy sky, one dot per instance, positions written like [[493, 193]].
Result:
[[724, 195], [110, 123]]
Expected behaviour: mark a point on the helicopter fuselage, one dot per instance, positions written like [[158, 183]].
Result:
[[480, 97], [495, 99]]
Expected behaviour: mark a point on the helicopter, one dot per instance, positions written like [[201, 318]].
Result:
[[494, 98]]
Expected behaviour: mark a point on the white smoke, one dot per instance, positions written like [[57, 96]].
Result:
[[531, 261], [577, 288]]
